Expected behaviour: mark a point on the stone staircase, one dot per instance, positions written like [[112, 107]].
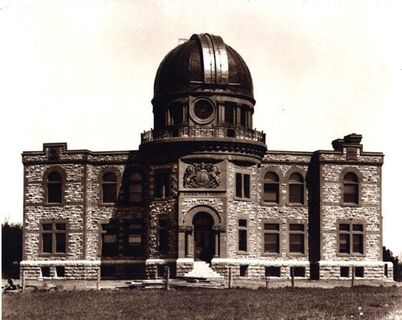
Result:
[[202, 270]]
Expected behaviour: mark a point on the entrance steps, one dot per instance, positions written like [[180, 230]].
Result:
[[202, 270]]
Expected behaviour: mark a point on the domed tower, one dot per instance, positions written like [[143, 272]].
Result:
[[203, 104]]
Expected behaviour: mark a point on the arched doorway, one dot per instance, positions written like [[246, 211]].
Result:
[[204, 238]]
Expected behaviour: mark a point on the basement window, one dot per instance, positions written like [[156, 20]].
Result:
[[45, 272], [344, 272], [272, 271], [298, 271], [243, 270], [60, 272], [359, 272]]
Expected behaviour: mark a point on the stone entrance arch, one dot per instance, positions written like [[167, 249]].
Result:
[[199, 235]]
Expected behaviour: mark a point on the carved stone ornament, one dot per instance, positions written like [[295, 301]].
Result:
[[201, 175]]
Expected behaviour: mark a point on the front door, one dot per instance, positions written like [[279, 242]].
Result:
[[204, 241]]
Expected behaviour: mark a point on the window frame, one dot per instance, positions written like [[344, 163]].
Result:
[[359, 177], [129, 182], [243, 196], [278, 173], [244, 229], [290, 184], [45, 186], [53, 232], [101, 183], [296, 232], [351, 233], [164, 195], [278, 232]]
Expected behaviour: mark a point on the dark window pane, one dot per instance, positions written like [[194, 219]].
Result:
[[60, 271], [243, 116], [296, 193], [358, 227], [296, 227], [344, 227], [350, 193], [109, 192], [229, 114], [271, 193], [246, 181], [296, 177], [47, 226], [61, 242], [344, 243], [243, 240], [271, 226], [47, 243], [296, 243], [350, 177], [358, 243], [45, 271], [243, 270], [271, 242], [272, 271], [238, 185], [359, 272], [243, 223], [162, 185], [344, 273], [54, 176], [298, 271], [271, 177], [60, 226], [109, 176], [54, 191]]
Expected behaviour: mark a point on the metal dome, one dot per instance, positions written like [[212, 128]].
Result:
[[203, 63]]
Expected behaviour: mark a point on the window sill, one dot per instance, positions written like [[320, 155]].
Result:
[[296, 204], [350, 255], [107, 204], [241, 199], [53, 204], [270, 204], [350, 205], [50, 255]]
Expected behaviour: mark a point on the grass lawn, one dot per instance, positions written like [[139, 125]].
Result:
[[284, 303]]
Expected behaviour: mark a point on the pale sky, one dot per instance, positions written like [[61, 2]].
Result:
[[82, 72]]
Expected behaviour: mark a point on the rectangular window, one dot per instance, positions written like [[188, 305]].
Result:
[[242, 235], [110, 246], [243, 116], [272, 271], [60, 272], [359, 272], [296, 193], [53, 238], [242, 185], [163, 235], [45, 271], [133, 238], [298, 271], [351, 238], [243, 270], [271, 237], [296, 238], [229, 114], [344, 272], [162, 185]]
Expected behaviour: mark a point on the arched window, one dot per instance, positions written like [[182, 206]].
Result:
[[109, 187], [296, 188], [54, 186], [350, 188], [271, 188], [134, 188]]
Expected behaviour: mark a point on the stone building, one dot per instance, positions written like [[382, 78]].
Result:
[[203, 189]]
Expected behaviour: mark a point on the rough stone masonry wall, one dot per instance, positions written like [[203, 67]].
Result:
[[257, 212], [367, 212]]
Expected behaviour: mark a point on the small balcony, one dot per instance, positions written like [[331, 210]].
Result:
[[191, 132]]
